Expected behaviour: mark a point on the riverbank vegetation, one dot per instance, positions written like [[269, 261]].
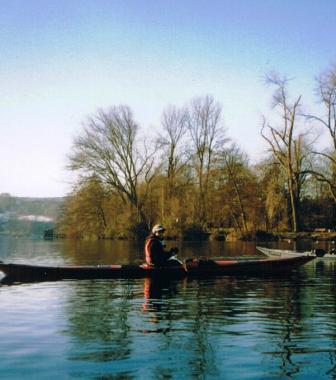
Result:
[[193, 178]]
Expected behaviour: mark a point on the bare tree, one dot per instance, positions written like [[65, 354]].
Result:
[[326, 89], [207, 133], [274, 191], [287, 149], [174, 123], [107, 149], [234, 163]]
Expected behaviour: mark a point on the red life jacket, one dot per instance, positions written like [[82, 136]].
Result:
[[154, 251]]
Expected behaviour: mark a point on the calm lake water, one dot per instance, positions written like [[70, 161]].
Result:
[[221, 328]]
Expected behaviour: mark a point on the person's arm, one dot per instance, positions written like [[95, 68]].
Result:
[[158, 254], [174, 251], [170, 253]]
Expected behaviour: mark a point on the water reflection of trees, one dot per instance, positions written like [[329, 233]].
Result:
[[193, 319], [290, 297], [102, 251], [282, 306], [98, 313], [205, 312], [306, 320], [324, 272]]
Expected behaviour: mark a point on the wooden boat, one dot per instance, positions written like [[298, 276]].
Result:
[[192, 267], [316, 253]]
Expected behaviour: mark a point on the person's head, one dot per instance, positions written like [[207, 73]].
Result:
[[158, 230]]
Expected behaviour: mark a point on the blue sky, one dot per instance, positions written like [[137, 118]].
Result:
[[61, 60]]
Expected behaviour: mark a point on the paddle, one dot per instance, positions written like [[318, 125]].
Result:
[[183, 263]]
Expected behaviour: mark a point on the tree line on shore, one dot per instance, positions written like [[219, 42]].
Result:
[[193, 178]]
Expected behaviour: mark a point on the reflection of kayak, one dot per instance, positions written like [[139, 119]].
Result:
[[318, 253], [192, 267]]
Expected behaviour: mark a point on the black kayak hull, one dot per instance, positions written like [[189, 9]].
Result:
[[24, 272]]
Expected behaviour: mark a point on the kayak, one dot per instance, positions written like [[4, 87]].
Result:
[[318, 253], [192, 267]]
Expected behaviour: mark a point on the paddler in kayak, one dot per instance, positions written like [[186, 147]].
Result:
[[155, 253]]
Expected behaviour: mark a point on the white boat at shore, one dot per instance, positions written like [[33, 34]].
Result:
[[318, 253]]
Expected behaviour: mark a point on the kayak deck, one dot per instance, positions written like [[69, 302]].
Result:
[[192, 267]]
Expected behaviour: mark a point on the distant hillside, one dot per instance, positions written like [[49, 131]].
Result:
[[48, 207], [20, 216]]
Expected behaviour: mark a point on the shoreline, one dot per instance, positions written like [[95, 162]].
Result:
[[228, 236]]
